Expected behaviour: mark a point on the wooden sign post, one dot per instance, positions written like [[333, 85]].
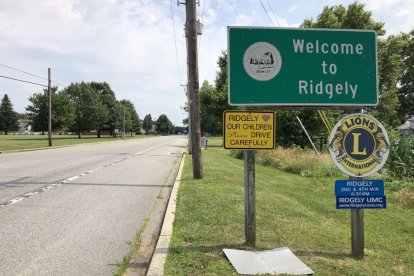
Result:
[[249, 131], [250, 197], [359, 146], [357, 230]]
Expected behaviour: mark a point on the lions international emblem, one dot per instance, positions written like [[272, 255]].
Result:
[[359, 145]]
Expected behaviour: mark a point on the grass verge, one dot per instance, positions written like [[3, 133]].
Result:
[[25, 142], [291, 210]]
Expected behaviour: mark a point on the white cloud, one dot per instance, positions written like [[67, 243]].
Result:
[[294, 7], [378, 5], [130, 43], [98, 40]]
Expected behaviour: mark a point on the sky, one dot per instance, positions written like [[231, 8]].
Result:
[[138, 46]]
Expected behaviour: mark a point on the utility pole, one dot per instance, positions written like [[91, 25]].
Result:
[[193, 88], [49, 123], [123, 135]]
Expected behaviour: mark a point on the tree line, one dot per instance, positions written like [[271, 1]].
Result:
[[82, 107], [396, 82]]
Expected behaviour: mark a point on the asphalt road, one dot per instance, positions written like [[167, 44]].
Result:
[[75, 210]]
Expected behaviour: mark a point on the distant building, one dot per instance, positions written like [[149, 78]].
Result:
[[24, 126], [407, 128]]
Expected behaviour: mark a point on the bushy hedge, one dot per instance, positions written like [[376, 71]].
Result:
[[400, 162]]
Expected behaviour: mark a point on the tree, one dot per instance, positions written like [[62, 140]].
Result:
[[356, 17], [179, 130], [221, 75], [8, 117], [147, 123], [338, 17], [128, 117], [211, 109], [390, 51], [289, 132], [164, 125], [136, 122], [406, 92], [87, 107], [214, 100], [108, 107], [38, 112], [62, 111]]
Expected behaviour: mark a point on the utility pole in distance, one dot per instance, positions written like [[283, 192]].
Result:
[[49, 123], [193, 88], [123, 134]]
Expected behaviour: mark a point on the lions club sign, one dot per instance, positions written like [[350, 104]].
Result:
[[359, 145]]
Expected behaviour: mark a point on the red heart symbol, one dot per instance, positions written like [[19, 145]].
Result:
[[266, 117]]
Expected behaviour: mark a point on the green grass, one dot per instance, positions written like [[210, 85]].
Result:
[[25, 142], [124, 264], [291, 210]]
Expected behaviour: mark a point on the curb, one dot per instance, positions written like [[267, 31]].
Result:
[[159, 257]]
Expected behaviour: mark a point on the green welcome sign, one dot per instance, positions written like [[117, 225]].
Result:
[[302, 67]]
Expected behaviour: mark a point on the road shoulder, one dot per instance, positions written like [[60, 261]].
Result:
[[142, 263], [161, 250]]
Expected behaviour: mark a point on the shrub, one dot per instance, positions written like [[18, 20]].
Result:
[[401, 159], [238, 154], [297, 160]]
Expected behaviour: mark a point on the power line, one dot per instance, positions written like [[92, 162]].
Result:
[[236, 12], [31, 74], [202, 15], [175, 42], [270, 19], [202, 22], [273, 12], [35, 83]]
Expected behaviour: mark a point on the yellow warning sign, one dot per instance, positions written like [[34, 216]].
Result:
[[249, 130]]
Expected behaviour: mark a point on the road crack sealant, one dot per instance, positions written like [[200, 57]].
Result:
[[72, 178]]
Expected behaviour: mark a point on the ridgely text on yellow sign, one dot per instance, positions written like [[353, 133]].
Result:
[[249, 130]]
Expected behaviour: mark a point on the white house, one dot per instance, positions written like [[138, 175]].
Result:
[[407, 128], [24, 126]]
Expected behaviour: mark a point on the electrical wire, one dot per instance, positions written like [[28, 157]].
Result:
[[30, 74], [175, 42], [35, 83], [273, 12], [202, 14], [202, 22], [236, 12], [270, 19], [313, 145]]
